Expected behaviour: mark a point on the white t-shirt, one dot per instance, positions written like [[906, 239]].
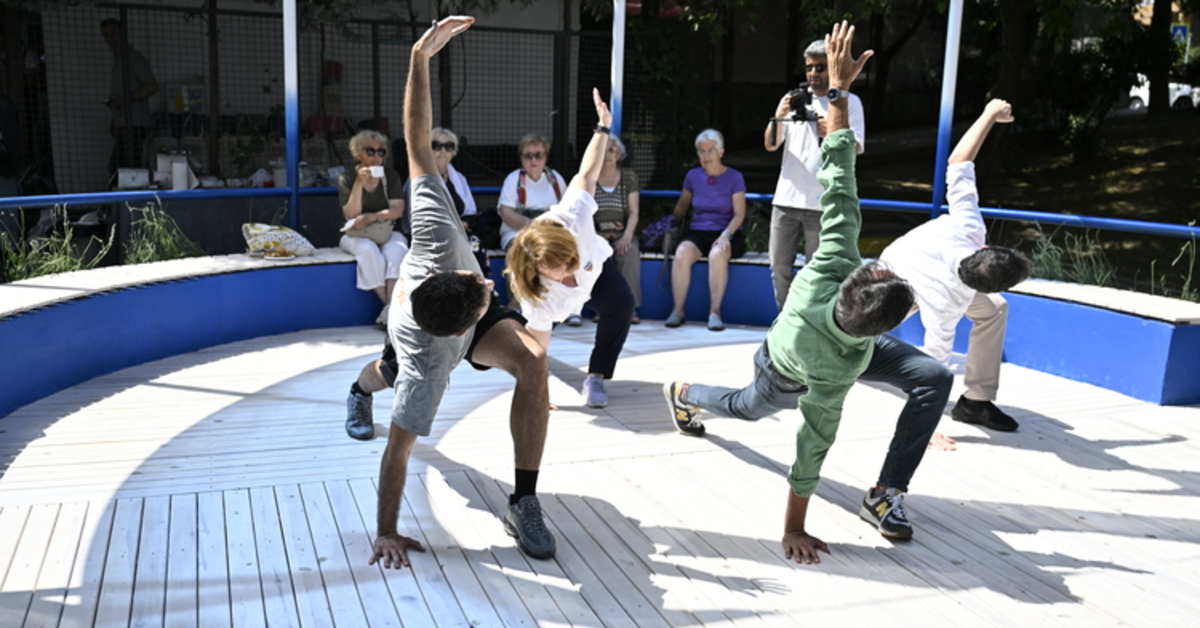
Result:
[[538, 195], [798, 186], [575, 213], [928, 256]]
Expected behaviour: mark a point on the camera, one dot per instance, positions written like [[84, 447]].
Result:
[[800, 100]]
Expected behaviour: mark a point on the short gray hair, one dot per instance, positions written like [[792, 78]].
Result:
[[816, 49], [362, 137], [616, 141], [444, 135], [711, 135]]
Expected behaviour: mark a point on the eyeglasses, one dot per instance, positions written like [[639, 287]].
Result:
[[532, 156], [372, 152], [708, 151], [815, 67], [446, 146]]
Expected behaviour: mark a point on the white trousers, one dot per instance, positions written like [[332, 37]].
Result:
[[376, 263]]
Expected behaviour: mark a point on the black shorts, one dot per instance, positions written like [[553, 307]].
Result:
[[704, 241], [494, 314]]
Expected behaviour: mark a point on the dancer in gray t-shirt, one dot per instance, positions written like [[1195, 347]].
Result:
[[444, 312]]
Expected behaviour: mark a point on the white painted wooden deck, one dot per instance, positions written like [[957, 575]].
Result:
[[218, 488]]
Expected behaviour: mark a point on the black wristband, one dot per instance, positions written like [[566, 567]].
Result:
[[600, 128]]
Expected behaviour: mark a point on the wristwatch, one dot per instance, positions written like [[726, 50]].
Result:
[[834, 94]]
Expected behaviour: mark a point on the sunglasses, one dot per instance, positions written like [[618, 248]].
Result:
[[372, 152], [446, 146], [532, 156], [816, 67]]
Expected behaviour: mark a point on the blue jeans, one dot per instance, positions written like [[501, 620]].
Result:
[[926, 381]]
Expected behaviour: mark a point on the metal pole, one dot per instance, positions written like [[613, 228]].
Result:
[[946, 118], [617, 96], [291, 108]]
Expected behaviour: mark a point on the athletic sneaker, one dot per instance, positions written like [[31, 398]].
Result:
[[886, 511], [683, 414], [574, 321], [360, 423], [982, 413], [675, 319], [594, 394], [524, 521]]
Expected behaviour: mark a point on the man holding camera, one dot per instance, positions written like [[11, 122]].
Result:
[[799, 126]]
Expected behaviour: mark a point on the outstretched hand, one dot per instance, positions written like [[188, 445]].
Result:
[[1000, 111], [392, 549], [602, 112], [843, 68], [440, 33]]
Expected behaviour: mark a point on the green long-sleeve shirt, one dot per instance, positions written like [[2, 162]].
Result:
[[805, 343]]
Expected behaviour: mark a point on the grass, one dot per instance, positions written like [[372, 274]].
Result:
[[155, 236], [53, 254]]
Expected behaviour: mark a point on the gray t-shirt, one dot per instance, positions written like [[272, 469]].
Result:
[[139, 72], [424, 362]]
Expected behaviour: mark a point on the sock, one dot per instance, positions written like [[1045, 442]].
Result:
[[526, 485], [356, 389]]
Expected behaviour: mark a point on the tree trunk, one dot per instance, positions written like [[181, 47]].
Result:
[[1160, 95]]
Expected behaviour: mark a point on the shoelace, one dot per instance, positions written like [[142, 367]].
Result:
[[532, 515], [897, 503]]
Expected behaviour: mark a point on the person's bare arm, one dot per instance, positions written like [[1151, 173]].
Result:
[[682, 205], [390, 546], [843, 69], [774, 133], [739, 216], [593, 156], [513, 218], [631, 223], [798, 544], [996, 111], [418, 104]]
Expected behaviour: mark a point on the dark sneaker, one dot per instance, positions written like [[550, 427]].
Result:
[[886, 512], [683, 415], [360, 423], [524, 521], [982, 413]]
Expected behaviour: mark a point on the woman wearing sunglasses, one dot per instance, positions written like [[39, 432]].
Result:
[[372, 200], [445, 147]]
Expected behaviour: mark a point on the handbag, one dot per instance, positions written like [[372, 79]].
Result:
[[657, 233], [378, 232], [261, 238]]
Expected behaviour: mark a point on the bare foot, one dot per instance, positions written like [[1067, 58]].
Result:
[[941, 442]]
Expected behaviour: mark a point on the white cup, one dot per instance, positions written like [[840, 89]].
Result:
[[377, 172]]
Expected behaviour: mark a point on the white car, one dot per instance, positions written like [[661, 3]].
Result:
[[1183, 96]]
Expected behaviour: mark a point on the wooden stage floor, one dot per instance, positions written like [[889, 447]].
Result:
[[218, 488]]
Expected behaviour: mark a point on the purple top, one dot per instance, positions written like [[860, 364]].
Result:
[[712, 197]]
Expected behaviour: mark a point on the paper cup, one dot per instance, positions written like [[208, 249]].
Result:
[[377, 172]]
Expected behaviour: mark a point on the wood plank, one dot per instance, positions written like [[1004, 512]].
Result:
[[182, 608], [18, 588], [279, 599], [116, 591], [312, 605], [87, 572], [356, 548], [212, 562], [344, 602], [245, 585], [149, 592], [55, 577]]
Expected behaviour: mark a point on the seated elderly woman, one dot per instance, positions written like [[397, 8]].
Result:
[[717, 193], [372, 200], [445, 147]]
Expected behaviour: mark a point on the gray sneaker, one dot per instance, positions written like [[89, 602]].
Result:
[[360, 422], [524, 521]]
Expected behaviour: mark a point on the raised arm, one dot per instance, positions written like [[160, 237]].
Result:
[[418, 104], [843, 69], [593, 156], [968, 147]]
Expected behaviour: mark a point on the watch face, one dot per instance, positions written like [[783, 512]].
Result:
[[834, 94]]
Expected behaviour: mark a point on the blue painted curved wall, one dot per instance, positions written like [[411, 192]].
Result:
[[58, 346], [52, 348]]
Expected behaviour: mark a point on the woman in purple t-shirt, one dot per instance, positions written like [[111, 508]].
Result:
[[718, 195]]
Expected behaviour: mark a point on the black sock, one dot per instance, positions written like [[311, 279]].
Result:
[[356, 389], [526, 485]]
